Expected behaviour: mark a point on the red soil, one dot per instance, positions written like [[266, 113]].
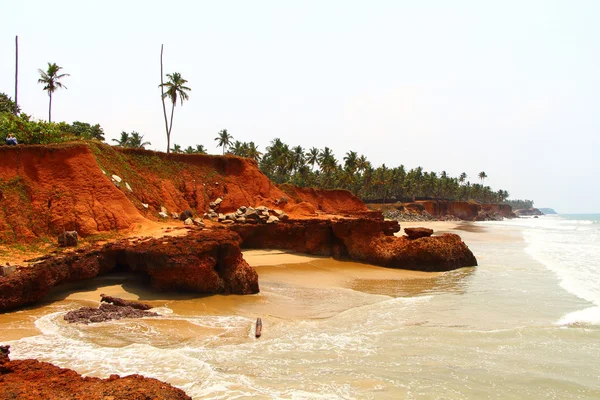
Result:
[[47, 189]]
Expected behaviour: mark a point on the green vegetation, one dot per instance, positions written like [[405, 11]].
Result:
[[7, 105], [51, 81], [519, 204], [133, 139], [320, 168]]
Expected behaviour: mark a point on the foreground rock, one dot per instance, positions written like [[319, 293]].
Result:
[[32, 379], [203, 262], [106, 312]]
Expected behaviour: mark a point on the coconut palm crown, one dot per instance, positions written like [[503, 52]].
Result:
[[51, 81]]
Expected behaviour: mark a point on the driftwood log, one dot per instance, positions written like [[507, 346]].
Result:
[[258, 327]]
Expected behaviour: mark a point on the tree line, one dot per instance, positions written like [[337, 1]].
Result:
[[280, 162], [313, 167]]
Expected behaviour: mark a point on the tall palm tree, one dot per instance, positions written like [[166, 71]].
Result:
[[175, 88], [482, 175], [136, 140], [463, 177], [223, 139], [123, 140], [51, 81]]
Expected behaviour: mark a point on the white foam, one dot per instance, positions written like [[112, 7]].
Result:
[[571, 249], [588, 316]]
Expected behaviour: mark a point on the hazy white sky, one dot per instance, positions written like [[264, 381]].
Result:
[[511, 88]]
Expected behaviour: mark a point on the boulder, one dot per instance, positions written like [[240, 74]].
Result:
[[68, 239], [221, 217], [218, 201], [188, 221], [417, 233], [272, 220], [128, 187], [186, 214], [174, 215], [240, 220], [251, 214], [198, 222], [163, 210], [163, 215], [228, 221], [230, 216], [116, 178]]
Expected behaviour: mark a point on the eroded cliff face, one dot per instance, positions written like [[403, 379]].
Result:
[[47, 189], [203, 262], [94, 188], [439, 209]]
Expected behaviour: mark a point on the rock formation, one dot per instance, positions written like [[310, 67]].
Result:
[[32, 379], [105, 312], [202, 262], [368, 240]]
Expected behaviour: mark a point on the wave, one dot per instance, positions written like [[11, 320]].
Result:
[[581, 318], [571, 249]]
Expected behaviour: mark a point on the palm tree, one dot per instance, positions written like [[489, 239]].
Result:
[[351, 159], [123, 141], [137, 141], [482, 175], [176, 149], [200, 149], [463, 177], [253, 152], [224, 139], [362, 163], [175, 87], [51, 81], [312, 156]]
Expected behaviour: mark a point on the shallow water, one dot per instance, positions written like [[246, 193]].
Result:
[[506, 329]]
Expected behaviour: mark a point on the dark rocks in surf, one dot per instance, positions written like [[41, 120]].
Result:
[[117, 301], [106, 312]]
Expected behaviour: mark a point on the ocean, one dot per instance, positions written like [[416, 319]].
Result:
[[523, 324]]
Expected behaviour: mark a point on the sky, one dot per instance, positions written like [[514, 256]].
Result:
[[511, 88]]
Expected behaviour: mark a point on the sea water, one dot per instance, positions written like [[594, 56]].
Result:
[[523, 324]]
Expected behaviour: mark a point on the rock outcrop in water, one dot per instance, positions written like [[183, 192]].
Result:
[[203, 262], [105, 312], [369, 240], [34, 380]]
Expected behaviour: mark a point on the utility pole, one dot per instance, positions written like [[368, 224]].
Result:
[[16, 74]]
